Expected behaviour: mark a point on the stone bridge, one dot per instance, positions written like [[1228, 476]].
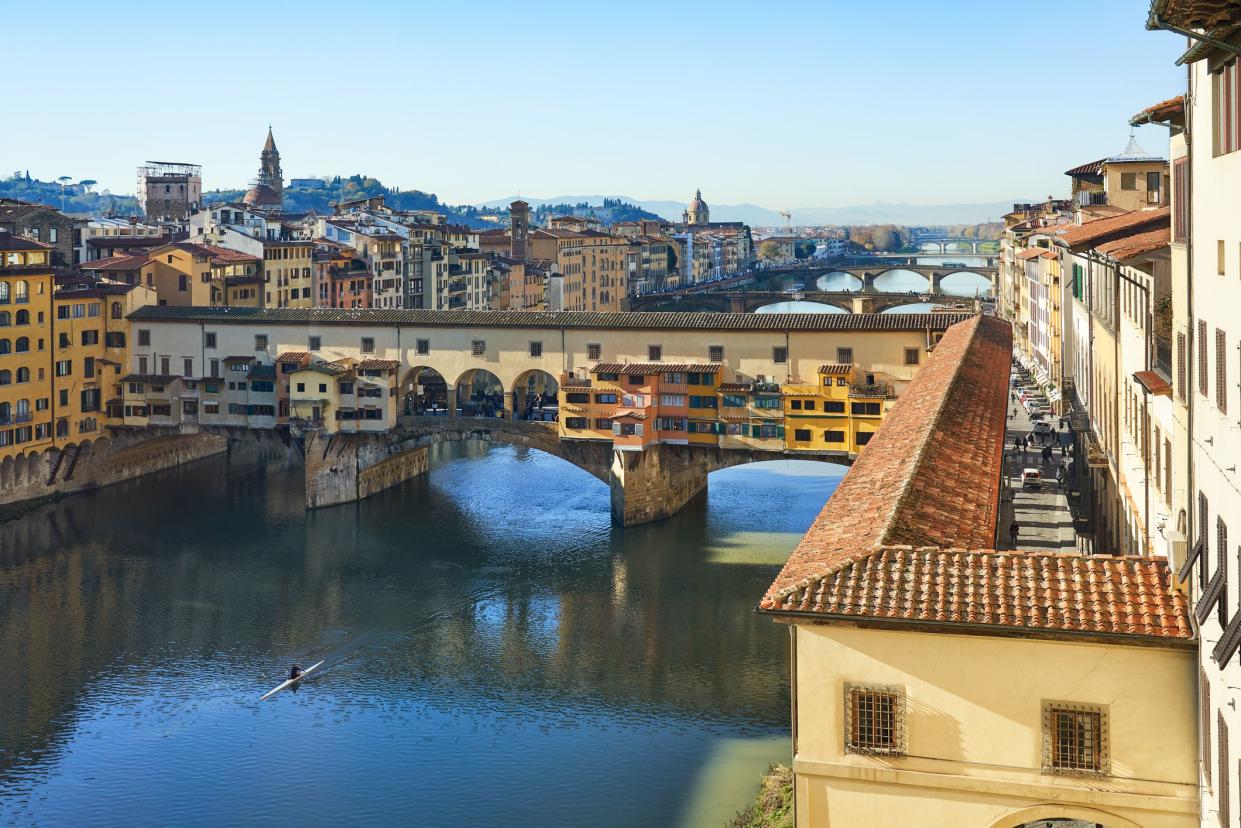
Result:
[[645, 485]]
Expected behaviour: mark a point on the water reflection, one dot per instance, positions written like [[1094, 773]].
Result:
[[902, 281], [485, 622], [837, 281], [965, 284], [913, 307], [799, 307]]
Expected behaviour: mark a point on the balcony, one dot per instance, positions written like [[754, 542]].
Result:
[[871, 389], [1092, 198], [1161, 357]]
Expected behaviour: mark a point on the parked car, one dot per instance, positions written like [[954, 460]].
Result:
[[1031, 479], [1042, 427]]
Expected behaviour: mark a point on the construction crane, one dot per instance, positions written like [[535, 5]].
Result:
[[788, 219]]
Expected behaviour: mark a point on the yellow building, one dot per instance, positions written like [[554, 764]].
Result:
[[287, 273], [25, 333], [751, 415], [595, 269], [936, 681], [837, 413], [344, 396], [180, 273]]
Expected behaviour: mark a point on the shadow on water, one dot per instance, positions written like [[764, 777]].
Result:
[[483, 621]]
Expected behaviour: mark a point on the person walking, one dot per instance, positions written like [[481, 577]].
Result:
[[1013, 530]]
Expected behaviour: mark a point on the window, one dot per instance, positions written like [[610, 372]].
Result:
[[478, 347], [323, 388], [795, 405], [810, 404], [90, 337], [672, 400], [577, 422], [1074, 738], [301, 387], [1181, 358], [844, 356], [90, 399], [314, 343], [1227, 109], [1202, 357], [1128, 181], [912, 356], [869, 409], [593, 350], [833, 436], [368, 345], [182, 282], [734, 401], [422, 346], [578, 397], [1204, 722], [702, 402], [1223, 793], [636, 379], [536, 349], [834, 406], [215, 368], [260, 342], [1221, 371], [608, 376], [64, 368], [654, 352], [209, 339], [1180, 199], [801, 435], [605, 399], [863, 437], [1204, 559], [780, 355], [874, 720], [715, 353], [1219, 257], [144, 337], [88, 367]]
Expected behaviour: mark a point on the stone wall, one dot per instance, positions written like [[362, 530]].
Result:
[[393, 471], [655, 483]]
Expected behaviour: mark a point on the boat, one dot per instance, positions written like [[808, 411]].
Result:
[[290, 682]]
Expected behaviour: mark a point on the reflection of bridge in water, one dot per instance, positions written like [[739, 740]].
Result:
[[869, 299]]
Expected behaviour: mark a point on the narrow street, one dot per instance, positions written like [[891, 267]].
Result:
[[1042, 513]]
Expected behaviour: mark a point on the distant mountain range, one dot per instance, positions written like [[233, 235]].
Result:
[[756, 216]]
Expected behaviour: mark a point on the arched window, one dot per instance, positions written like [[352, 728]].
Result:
[[23, 408], [116, 310], [21, 292], [23, 317], [5, 319], [23, 375], [6, 377], [4, 293], [6, 347], [21, 345]]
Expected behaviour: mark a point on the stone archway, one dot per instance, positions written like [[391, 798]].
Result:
[[424, 392], [480, 394], [534, 396], [1062, 816]]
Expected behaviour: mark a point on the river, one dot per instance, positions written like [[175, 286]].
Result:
[[496, 652]]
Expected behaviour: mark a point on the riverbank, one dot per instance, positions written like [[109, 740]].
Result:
[[773, 805]]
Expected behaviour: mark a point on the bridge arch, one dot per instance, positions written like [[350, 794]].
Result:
[[424, 391], [963, 283], [872, 279], [534, 396], [791, 305], [480, 394]]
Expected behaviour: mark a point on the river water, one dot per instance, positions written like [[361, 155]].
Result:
[[496, 652]]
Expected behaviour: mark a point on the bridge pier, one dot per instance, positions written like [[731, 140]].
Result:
[[654, 484]]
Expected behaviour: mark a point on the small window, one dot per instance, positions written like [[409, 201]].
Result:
[[301, 386], [188, 365], [844, 356], [314, 343], [780, 355], [715, 353], [654, 353], [1219, 257], [144, 337], [422, 346], [368, 345], [323, 388], [874, 720], [478, 347], [593, 350], [1128, 181], [209, 339], [260, 342], [833, 436], [1074, 738], [536, 349], [801, 435], [912, 356]]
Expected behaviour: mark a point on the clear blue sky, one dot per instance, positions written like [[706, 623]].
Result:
[[821, 103]]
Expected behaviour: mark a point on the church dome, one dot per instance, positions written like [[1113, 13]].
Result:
[[260, 195], [698, 205]]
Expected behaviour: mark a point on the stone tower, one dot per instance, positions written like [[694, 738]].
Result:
[[270, 173], [519, 229]]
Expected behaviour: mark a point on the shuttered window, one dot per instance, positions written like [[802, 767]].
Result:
[[1221, 563], [1222, 794], [1204, 721], [1180, 199], [1202, 357], [1221, 371], [1182, 359], [1204, 559]]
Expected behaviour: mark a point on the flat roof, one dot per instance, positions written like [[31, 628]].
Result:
[[668, 320]]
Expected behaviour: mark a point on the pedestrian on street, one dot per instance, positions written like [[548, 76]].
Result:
[[1013, 530], [1047, 455], [1063, 450]]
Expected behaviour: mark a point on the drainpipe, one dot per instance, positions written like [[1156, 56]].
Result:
[[1191, 504]]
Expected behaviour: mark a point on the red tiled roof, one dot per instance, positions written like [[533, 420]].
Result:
[[378, 365], [908, 534], [1160, 112], [293, 356], [655, 368], [1093, 168], [1154, 383], [734, 386], [1031, 253], [1196, 14], [1050, 592], [1099, 231], [1131, 246], [116, 263], [16, 241]]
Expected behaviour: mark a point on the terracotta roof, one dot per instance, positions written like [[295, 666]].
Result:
[[1195, 14], [734, 386], [16, 241], [378, 365], [229, 359], [1154, 383], [1032, 253], [1093, 168], [1136, 245], [1099, 231], [1051, 592], [655, 368], [894, 543], [671, 320], [116, 263], [835, 368], [1161, 112], [293, 356], [153, 379]]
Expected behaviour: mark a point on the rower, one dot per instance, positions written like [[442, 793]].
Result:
[[294, 672]]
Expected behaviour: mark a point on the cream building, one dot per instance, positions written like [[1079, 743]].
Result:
[[936, 682]]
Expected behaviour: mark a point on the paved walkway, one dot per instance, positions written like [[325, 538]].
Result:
[[1042, 514]]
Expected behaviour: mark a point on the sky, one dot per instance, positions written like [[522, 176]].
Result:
[[797, 104]]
